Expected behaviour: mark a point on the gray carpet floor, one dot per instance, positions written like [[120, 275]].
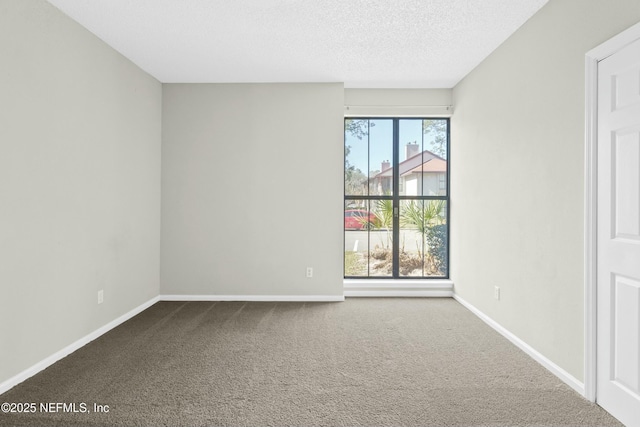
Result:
[[362, 362]]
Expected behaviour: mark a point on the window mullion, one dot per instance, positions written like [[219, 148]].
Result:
[[396, 200]]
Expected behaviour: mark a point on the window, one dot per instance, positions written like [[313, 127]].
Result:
[[396, 198]]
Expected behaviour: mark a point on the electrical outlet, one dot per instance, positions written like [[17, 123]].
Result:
[[100, 296], [309, 272], [496, 292]]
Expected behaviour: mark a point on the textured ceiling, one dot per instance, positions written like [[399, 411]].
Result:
[[364, 43]]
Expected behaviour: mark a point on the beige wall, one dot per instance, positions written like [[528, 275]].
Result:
[[517, 176], [252, 180], [397, 102], [404, 97], [79, 184]]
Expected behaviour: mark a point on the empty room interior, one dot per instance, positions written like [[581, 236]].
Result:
[[205, 212]]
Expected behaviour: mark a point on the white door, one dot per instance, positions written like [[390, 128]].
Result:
[[618, 236]]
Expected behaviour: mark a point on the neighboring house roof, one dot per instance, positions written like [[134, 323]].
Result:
[[425, 161], [432, 165]]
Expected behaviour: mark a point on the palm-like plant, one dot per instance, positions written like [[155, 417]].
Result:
[[422, 214], [425, 216], [384, 215]]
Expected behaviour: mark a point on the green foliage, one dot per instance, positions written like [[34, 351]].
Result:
[[437, 246], [437, 128], [427, 217], [352, 265], [366, 222], [357, 127], [422, 214], [355, 181], [384, 214]]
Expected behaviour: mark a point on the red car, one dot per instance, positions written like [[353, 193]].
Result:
[[359, 219]]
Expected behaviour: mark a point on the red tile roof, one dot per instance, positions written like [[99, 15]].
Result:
[[418, 163]]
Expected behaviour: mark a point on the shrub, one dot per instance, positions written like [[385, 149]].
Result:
[[437, 245]]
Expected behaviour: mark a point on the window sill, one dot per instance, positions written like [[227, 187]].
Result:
[[398, 288]]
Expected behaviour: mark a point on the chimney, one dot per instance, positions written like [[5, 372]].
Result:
[[385, 165], [411, 149]]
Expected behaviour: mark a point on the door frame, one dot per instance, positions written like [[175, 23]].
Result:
[[592, 58]]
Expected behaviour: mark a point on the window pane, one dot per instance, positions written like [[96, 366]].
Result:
[[380, 157], [423, 238], [423, 153], [412, 238], [381, 239], [356, 157], [356, 238], [368, 238], [376, 152]]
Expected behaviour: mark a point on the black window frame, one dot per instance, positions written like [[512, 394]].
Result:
[[396, 198]]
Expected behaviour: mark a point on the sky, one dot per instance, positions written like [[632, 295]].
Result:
[[379, 145]]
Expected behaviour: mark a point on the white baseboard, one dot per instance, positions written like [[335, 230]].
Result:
[[566, 377], [43, 364], [266, 298]]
